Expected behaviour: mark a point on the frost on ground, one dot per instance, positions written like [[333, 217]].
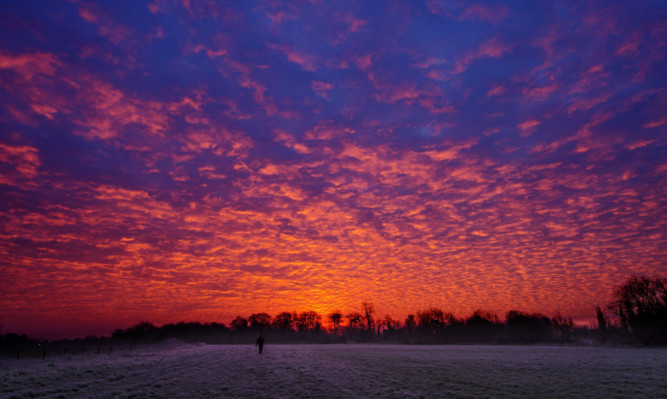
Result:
[[343, 371]]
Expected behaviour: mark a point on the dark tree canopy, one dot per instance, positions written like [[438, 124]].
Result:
[[641, 306]]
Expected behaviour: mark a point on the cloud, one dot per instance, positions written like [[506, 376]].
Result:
[[321, 88], [306, 61], [30, 64], [106, 26], [328, 130], [464, 11], [24, 160], [493, 48], [655, 123], [526, 128], [289, 141], [111, 111], [355, 23]]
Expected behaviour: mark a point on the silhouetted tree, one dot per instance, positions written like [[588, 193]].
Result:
[[239, 324], [354, 320], [387, 325], [144, 331], [482, 318], [482, 326], [410, 323], [434, 320], [284, 321], [528, 327], [309, 321], [259, 321], [564, 326], [602, 325], [430, 320], [641, 305], [335, 318], [368, 309]]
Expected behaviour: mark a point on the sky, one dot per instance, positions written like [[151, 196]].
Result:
[[181, 160]]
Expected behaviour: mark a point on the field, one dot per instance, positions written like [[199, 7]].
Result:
[[343, 371]]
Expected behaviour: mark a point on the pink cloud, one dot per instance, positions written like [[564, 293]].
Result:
[[321, 88], [233, 110], [153, 7], [24, 158], [280, 16], [485, 13], [289, 141], [640, 144], [327, 130], [45, 110], [245, 80], [526, 128], [29, 65], [435, 106], [355, 23], [584, 104], [464, 11], [630, 47], [209, 52], [656, 123], [116, 33], [363, 62], [493, 48], [540, 93], [496, 90], [306, 61], [394, 93], [451, 153], [429, 62], [437, 75]]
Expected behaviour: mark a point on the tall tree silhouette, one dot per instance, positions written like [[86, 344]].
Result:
[[410, 323], [239, 324], [368, 310], [354, 320], [602, 325], [564, 326], [641, 305], [284, 321], [309, 321], [260, 321], [335, 318]]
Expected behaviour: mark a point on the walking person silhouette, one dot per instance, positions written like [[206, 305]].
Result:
[[260, 343]]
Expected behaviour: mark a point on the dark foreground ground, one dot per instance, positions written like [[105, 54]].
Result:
[[344, 371]]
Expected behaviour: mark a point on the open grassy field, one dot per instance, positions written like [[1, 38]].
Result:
[[343, 371]]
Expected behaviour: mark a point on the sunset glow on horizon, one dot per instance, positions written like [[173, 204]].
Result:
[[197, 160]]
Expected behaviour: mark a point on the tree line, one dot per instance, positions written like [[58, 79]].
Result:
[[637, 313], [428, 326]]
